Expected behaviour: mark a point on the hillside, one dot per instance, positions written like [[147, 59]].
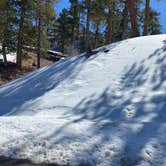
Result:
[[105, 110]]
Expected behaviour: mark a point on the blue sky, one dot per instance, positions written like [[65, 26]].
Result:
[[158, 6], [62, 4]]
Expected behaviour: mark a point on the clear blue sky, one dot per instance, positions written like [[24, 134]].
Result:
[[158, 6], [62, 4]]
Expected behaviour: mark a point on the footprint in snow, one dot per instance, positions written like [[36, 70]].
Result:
[[96, 64], [129, 111], [118, 92]]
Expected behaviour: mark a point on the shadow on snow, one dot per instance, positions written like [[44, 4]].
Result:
[[109, 112]]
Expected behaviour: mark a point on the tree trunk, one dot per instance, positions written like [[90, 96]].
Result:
[[88, 48], [4, 54], [96, 37], [63, 45], [74, 25], [20, 39], [39, 35], [124, 24], [109, 24], [146, 22], [73, 34], [78, 26], [133, 17]]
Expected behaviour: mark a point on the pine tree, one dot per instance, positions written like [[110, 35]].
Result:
[[39, 6], [133, 17], [74, 11], [146, 22], [24, 11], [154, 23], [109, 34], [98, 19], [64, 29], [154, 26], [44, 13], [87, 38], [124, 23], [20, 33], [7, 17]]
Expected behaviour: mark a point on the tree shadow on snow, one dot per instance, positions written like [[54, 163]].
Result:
[[139, 122], [34, 85]]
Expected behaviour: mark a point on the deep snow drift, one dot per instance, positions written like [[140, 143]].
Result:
[[106, 110]]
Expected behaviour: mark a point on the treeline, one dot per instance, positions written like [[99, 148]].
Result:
[[86, 25]]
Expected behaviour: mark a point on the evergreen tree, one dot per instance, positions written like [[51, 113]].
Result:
[[98, 20], [75, 11], [154, 26], [146, 22], [154, 23], [44, 15], [87, 7], [124, 22], [109, 34], [22, 6], [64, 29], [133, 17], [7, 18]]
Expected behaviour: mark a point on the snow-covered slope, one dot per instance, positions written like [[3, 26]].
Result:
[[106, 110]]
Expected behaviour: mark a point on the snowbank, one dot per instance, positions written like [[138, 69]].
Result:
[[105, 110]]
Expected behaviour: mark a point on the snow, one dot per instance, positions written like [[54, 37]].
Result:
[[105, 110], [56, 53], [11, 57]]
